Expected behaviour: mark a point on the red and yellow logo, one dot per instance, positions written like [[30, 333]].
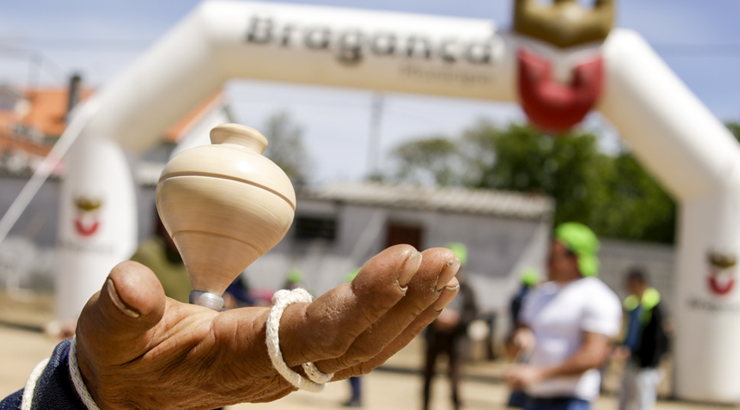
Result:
[[722, 278], [87, 219]]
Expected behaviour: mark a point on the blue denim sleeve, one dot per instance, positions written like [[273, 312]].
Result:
[[12, 402], [54, 388]]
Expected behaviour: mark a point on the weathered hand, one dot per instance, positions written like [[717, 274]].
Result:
[[524, 340], [521, 376], [621, 353], [138, 349]]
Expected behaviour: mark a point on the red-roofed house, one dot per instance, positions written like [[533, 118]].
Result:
[[32, 120]]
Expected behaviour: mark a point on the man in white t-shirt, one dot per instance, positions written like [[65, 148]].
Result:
[[567, 326]]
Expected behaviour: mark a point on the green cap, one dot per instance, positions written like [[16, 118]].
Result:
[[460, 250], [530, 277], [582, 241], [295, 275], [351, 276]]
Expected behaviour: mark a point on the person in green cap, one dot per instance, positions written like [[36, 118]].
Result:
[[566, 327], [644, 343], [294, 279]]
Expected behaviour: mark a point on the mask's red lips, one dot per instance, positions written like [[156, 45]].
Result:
[[553, 106], [721, 288]]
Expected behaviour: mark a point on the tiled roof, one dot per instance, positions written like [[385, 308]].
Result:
[[48, 108], [461, 200], [182, 127], [42, 115], [30, 120]]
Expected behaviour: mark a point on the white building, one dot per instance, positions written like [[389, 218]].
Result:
[[339, 227]]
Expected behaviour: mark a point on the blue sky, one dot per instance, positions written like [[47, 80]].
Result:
[[698, 39]]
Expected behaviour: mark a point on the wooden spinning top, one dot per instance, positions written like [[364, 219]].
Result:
[[224, 205]]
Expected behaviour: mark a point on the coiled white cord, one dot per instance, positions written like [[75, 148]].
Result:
[[280, 300], [74, 370], [27, 399]]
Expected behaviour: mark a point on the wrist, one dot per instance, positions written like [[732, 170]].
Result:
[[82, 377], [546, 372]]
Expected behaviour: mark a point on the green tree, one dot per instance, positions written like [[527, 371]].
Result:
[[285, 146], [612, 194], [637, 206], [734, 128], [434, 160], [568, 168]]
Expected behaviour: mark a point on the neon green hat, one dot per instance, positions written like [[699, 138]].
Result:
[[351, 276], [530, 277], [460, 250], [582, 241], [295, 275]]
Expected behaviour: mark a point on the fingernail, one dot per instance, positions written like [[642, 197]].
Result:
[[448, 272], [448, 293], [119, 303], [410, 267]]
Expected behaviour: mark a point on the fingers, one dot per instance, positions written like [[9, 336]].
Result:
[[406, 336], [437, 270], [359, 325], [327, 327], [133, 296], [512, 378], [131, 302], [524, 339]]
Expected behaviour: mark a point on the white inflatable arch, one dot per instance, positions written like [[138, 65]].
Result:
[[666, 127]]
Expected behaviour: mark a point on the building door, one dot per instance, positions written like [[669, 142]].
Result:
[[398, 233]]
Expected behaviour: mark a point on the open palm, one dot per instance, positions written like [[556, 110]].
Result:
[[138, 349]]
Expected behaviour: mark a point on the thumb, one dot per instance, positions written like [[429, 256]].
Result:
[[130, 303]]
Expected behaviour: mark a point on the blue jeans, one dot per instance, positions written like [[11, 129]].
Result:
[[557, 403]]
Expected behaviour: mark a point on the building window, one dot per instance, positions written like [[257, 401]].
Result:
[[311, 228]]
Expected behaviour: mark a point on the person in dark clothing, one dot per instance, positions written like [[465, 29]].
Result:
[[238, 294], [355, 383], [644, 344], [447, 334], [529, 279]]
